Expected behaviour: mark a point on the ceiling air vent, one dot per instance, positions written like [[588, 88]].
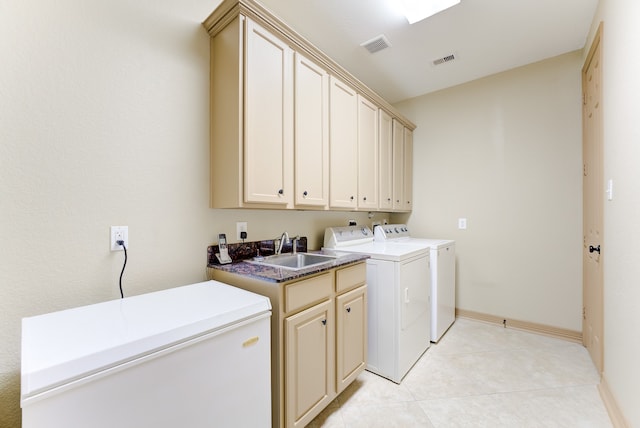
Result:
[[376, 44], [444, 59]]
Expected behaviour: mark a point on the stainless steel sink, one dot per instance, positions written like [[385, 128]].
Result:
[[294, 261]]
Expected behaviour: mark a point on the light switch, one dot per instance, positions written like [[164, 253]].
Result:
[[462, 223]]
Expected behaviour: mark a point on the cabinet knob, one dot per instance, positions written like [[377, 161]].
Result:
[[324, 322], [348, 309], [351, 198], [305, 193], [280, 192], [364, 199], [388, 199]]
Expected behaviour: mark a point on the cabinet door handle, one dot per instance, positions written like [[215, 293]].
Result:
[[324, 322], [280, 192], [305, 193], [348, 309], [351, 198]]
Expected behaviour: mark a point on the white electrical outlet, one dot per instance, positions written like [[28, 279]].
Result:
[[241, 226], [119, 233], [462, 223]]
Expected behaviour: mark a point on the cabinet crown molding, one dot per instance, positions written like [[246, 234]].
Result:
[[230, 9]]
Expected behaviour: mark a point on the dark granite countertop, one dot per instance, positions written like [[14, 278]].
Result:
[[278, 274]]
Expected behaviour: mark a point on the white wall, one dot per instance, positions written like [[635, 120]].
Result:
[[621, 249], [104, 121], [505, 153]]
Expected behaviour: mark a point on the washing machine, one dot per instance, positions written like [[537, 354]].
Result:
[[398, 298], [443, 273]]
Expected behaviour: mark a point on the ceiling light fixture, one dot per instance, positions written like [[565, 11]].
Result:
[[417, 10]]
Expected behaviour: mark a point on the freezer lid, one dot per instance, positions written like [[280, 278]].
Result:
[[67, 345]]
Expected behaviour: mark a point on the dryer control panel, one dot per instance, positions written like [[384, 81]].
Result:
[[388, 232]]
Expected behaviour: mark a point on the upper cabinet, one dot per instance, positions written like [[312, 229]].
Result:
[[268, 118], [385, 171], [402, 144], [251, 118], [367, 155], [291, 129], [408, 170], [311, 139], [343, 143], [398, 166]]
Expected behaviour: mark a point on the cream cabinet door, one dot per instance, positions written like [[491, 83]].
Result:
[[311, 140], [343, 145], [385, 172], [367, 154], [351, 336], [268, 118], [398, 166], [310, 366], [408, 169]]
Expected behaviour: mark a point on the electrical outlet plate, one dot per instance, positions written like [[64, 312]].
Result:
[[241, 226], [119, 233], [462, 223]]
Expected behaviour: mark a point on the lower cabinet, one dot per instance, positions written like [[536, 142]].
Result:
[[318, 338], [351, 336], [309, 338]]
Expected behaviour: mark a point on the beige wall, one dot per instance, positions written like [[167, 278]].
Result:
[[104, 121], [505, 153], [621, 249]]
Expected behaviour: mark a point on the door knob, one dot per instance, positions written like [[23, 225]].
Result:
[[596, 249]]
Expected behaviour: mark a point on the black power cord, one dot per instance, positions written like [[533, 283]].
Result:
[[121, 243]]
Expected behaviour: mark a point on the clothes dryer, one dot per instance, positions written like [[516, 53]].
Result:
[[443, 273]]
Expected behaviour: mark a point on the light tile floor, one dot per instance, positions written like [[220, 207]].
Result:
[[479, 375]]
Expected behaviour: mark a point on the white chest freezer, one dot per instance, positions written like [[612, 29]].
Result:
[[192, 356]]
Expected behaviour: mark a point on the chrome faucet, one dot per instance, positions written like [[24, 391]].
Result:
[[284, 238], [294, 245]]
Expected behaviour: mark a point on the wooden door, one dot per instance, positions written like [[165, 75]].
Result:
[[593, 192]]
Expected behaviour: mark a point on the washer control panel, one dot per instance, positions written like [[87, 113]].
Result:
[[335, 237]]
